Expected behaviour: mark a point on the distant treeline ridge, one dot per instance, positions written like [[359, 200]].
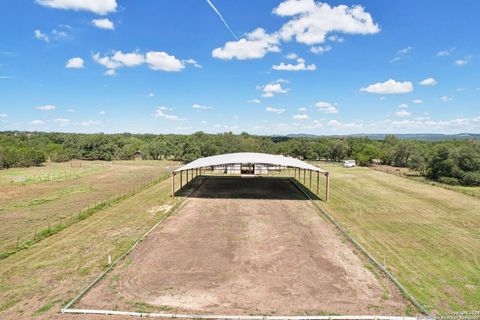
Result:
[[452, 162]]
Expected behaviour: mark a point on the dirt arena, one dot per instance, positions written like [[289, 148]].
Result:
[[246, 246]]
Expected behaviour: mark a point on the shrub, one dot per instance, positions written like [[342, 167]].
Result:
[[471, 178], [449, 180]]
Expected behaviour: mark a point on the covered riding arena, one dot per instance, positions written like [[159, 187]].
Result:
[[247, 164], [244, 245]]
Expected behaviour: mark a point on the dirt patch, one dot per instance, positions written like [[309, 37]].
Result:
[[260, 255]]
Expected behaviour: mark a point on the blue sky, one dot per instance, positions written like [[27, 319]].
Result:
[[298, 66]]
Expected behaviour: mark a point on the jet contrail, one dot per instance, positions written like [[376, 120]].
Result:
[[224, 22]]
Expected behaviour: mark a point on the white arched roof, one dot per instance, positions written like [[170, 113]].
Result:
[[248, 157]]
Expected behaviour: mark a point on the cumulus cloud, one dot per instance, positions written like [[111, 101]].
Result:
[[301, 116], [254, 101], [193, 63], [326, 107], [463, 62], [275, 110], [320, 49], [37, 122], [445, 99], [273, 88], [389, 87], [335, 124], [302, 109], [200, 107], [160, 60], [156, 60], [90, 123], [403, 106], [3, 115], [402, 113], [417, 101], [41, 36], [100, 7], [300, 66], [75, 63], [47, 107], [103, 24], [312, 21], [428, 82], [110, 73], [254, 45], [160, 113], [62, 121]]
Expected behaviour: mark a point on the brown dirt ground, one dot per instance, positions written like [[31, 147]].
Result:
[[266, 253]]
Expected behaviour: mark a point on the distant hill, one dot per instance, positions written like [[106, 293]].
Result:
[[413, 136]]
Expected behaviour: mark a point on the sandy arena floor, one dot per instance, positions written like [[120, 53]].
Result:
[[246, 246]]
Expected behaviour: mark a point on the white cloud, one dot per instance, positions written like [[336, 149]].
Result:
[[110, 73], [75, 63], [335, 124], [102, 113], [336, 38], [37, 122], [151, 94], [160, 60], [100, 7], [62, 121], [200, 107], [326, 107], [131, 59], [254, 101], [401, 54], [41, 36], [3, 115], [445, 53], [428, 82], [403, 106], [156, 60], [160, 113], [269, 90], [91, 123], [71, 110], [320, 49], [446, 99], [103, 24], [417, 101], [301, 117], [274, 110], [256, 44], [460, 89], [311, 21], [302, 109], [389, 87], [193, 63], [402, 113], [292, 56], [464, 61], [47, 107], [300, 66]]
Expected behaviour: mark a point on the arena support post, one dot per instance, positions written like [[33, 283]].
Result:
[[327, 186], [173, 184]]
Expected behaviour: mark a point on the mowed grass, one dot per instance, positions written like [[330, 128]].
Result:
[[427, 236], [29, 209], [38, 281]]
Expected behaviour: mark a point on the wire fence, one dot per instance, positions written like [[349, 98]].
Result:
[[47, 229]]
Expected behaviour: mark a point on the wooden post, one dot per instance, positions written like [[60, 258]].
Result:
[[173, 184], [310, 179], [327, 186], [318, 181], [304, 176], [181, 179], [186, 182]]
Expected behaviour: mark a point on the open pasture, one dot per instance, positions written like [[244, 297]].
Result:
[[28, 209]]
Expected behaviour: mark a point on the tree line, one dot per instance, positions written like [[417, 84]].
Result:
[[455, 162]]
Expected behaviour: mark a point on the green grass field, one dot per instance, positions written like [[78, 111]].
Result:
[[428, 236]]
